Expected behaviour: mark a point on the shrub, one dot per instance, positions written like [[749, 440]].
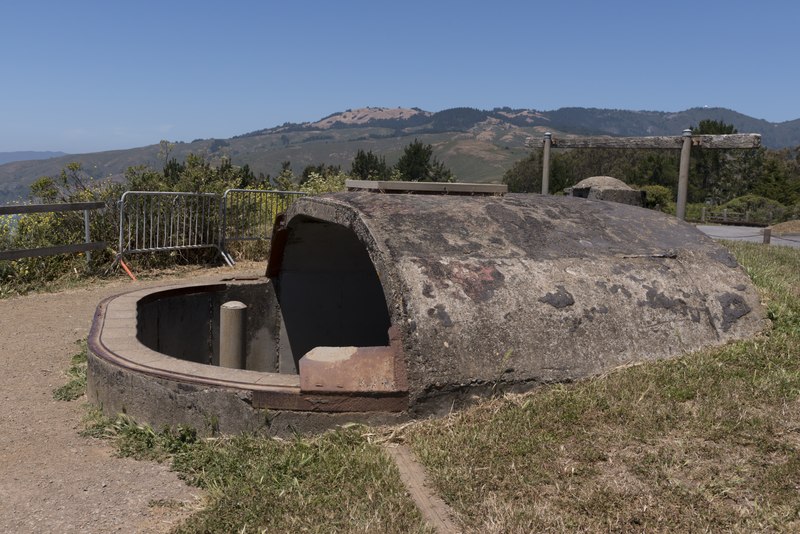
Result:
[[317, 184], [659, 198], [758, 208]]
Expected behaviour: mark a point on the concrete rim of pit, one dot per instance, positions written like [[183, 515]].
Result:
[[113, 340]]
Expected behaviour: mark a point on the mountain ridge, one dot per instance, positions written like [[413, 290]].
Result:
[[28, 155], [478, 145], [569, 120]]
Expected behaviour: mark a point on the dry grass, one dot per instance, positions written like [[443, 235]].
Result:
[[788, 227], [707, 442]]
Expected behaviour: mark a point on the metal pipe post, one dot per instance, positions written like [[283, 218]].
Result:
[[683, 174], [232, 344], [87, 236]]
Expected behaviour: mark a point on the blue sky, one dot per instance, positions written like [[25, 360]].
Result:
[[85, 76]]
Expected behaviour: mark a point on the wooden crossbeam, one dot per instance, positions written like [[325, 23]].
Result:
[[51, 251], [729, 141], [13, 209]]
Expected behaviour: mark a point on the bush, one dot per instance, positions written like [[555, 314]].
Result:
[[659, 198], [74, 185], [317, 184], [757, 208]]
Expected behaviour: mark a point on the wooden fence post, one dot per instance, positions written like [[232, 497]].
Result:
[[683, 174], [548, 141]]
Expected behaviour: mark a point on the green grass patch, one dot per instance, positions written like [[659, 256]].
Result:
[[706, 442], [76, 375], [336, 482]]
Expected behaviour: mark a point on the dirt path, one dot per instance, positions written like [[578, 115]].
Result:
[[51, 478]]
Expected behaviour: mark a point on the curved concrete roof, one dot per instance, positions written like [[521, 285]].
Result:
[[602, 182], [523, 289]]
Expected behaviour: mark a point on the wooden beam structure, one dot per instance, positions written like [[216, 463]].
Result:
[[443, 188], [683, 142], [730, 141]]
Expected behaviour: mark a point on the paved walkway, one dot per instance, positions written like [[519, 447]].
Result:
[[747, 233]]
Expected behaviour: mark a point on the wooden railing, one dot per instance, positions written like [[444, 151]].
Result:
[[87, 246]]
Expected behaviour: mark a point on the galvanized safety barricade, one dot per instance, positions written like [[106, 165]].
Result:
[[157, 221], [154, 221], [249, 214]]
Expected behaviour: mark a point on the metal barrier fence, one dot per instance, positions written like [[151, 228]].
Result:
[[248, 214], [154, 221], [87, 246]]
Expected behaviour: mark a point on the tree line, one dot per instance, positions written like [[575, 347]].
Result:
[[416, 164], [197, 173]]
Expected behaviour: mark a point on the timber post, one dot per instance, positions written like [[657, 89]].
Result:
[[548, 141], [683, 174]]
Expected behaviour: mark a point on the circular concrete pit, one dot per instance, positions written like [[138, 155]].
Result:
[[377, 307]]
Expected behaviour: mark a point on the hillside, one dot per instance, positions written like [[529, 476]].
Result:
[[478, 145]]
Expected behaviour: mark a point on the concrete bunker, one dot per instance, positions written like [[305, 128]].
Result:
[[607, 188], [328, 289], [377, 307], [524, 289]]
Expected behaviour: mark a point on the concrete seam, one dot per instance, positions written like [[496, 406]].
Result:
[[434, 510]]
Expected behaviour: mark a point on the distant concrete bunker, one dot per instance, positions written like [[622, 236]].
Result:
[[607, 188], [380, 306]]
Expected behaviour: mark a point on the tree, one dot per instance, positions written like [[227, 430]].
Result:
[[710, 177], [285, 180], [712, 127], [322, 169], [72, 183], [368, 166], [417, 164], [164, 150], [525, 176]]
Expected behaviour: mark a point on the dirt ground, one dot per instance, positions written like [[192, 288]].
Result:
[[51, 478]]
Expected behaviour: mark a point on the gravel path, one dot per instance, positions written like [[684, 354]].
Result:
[[51, 478]]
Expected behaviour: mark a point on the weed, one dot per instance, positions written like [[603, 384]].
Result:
[[142, 442], [169, 504], [95, 424], [501, 370], [76, 373]]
